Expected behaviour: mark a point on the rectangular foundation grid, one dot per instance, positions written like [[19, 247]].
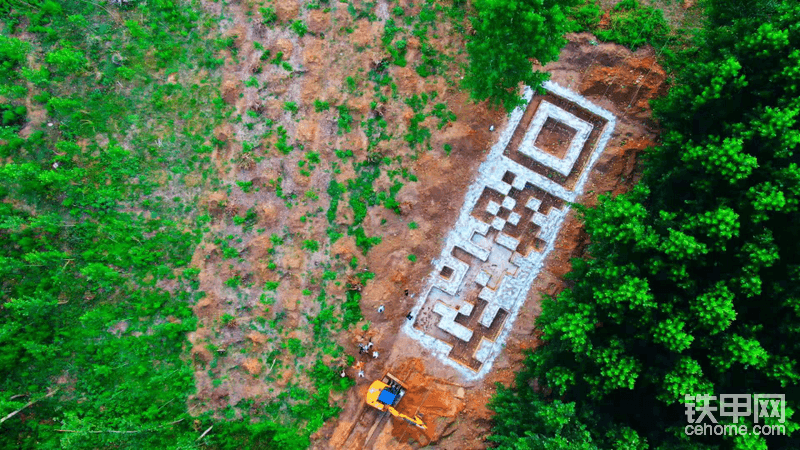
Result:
[[507, 226]]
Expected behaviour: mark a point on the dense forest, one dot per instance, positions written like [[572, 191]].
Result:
[[692, 285]]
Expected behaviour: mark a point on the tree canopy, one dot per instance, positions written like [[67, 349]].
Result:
[[508, 34]]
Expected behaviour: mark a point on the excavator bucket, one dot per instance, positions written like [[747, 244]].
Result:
[[389, 379]]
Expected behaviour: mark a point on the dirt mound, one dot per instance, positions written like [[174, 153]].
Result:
[[610, 72], [435, 400]]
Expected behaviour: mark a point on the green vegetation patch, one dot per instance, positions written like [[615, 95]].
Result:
[[631, 24], [93, 343]]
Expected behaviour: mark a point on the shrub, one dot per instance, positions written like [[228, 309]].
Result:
[[227, 319], [13, 116], [351, 85], [268, 15], [291, 107], [233, 282], [12, 55], [633, 25], [299, 27], [66, 60], [587, 16], [320, 105], [351, 309], [245, 185], [345, 119], [311, 245], [335, 191]]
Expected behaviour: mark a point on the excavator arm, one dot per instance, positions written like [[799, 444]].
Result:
[[412, 420]]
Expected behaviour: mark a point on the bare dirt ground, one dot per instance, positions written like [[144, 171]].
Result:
[[235, 361]]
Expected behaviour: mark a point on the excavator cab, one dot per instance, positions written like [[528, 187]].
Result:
[[385, 394]]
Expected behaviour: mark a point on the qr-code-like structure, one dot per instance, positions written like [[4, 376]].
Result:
[[509, 222]]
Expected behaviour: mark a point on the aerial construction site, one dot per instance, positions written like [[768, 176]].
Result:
[[396, 224]]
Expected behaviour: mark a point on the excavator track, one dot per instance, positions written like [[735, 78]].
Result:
[[376, 430]]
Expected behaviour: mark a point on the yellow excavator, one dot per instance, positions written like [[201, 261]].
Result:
[[385, 394]]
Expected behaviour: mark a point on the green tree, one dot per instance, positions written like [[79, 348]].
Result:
[[694, 279], [508, 35], [524, 421]]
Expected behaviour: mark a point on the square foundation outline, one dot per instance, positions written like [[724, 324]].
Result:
[[547, 110]]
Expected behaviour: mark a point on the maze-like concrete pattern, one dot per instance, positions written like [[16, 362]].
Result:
[[509, 222]]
